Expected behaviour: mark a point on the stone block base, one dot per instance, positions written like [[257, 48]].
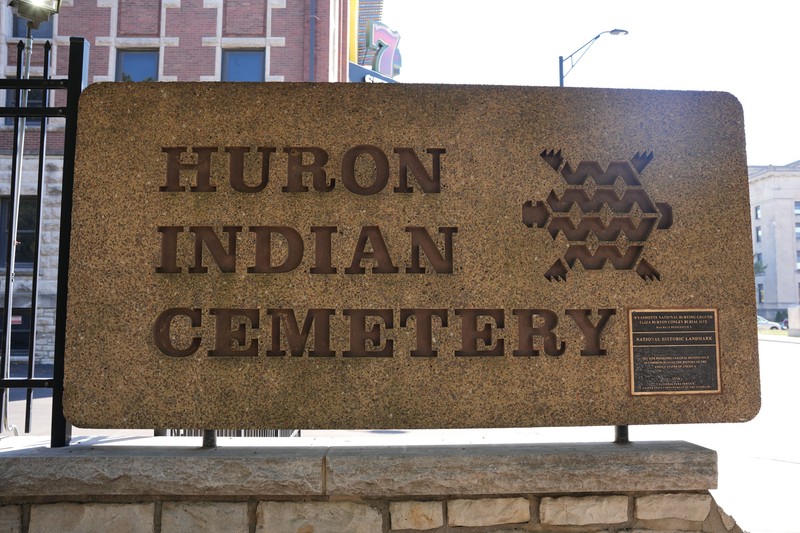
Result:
[[265, 485]]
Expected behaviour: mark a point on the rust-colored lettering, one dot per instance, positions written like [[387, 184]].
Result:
[[202, 169], [236, 165], [169, 249], [162, 331], [322, 250], [263, 251], [379, 253], [591, 333], [227, 340], [527, 331], [471, 334], [297, 339], [225, 260], [380, 176], [428, 181], [423, 320], [174, 166], [421, 239], [295, 169], [362, 339]]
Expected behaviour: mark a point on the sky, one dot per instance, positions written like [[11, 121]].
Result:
[[749, 49]]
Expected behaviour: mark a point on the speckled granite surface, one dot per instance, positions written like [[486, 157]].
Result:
[[531, 220]]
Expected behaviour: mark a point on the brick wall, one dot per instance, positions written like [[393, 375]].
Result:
[[90, 20], [291, 23], [191, 24], [245, 18], [139, 18], [200, 28]]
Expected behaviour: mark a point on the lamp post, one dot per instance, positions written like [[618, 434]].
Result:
[[583, 49], [35, 12], [620, 432]]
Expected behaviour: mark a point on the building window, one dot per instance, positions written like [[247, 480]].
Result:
[[797, 262], [26, 230], [758, 264], [20, 330], [243, 65], [44, 31], [797, 208], [797, 231], [34, 100], [761, 293], [758, 212], [758, 233], [137, 65]]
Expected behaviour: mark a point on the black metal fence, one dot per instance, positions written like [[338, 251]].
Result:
[[76, 81], [230, 432]]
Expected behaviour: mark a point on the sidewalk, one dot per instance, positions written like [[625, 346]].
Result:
[[772, 337]]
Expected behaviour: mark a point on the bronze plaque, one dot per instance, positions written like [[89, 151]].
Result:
[[674, 351], [403, 256]]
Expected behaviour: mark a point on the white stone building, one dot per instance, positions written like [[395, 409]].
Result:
[[775, 216]]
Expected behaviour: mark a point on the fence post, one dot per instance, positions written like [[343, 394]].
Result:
[[61, 430]]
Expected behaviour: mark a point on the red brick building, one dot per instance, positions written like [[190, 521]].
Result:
[[190, 40], [157, 40]]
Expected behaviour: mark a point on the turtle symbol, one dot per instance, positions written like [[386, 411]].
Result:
[[605, 215]]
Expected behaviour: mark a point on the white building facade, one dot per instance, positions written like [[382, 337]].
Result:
[[775, 217]]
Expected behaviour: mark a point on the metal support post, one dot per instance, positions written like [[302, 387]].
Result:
[[61, 430], [621, 435]]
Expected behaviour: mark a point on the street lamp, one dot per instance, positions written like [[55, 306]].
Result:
[[35, 11], [583, 49]]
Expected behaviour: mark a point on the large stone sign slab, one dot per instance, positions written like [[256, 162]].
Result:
[[404, 256]]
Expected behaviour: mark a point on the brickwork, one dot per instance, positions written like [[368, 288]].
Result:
[[55, 141], [191, 23], [139, 18], [190, 34], [245, 18], [90, 19], [11, 61], [292, 24]]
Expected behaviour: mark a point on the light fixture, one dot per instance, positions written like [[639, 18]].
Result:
[[583, 49], [35, 11]]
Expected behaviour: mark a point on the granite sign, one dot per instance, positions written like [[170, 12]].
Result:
[[401, 256]]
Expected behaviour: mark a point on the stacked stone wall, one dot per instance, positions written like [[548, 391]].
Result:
[[48, 249], [657, 512], [569, 488]]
